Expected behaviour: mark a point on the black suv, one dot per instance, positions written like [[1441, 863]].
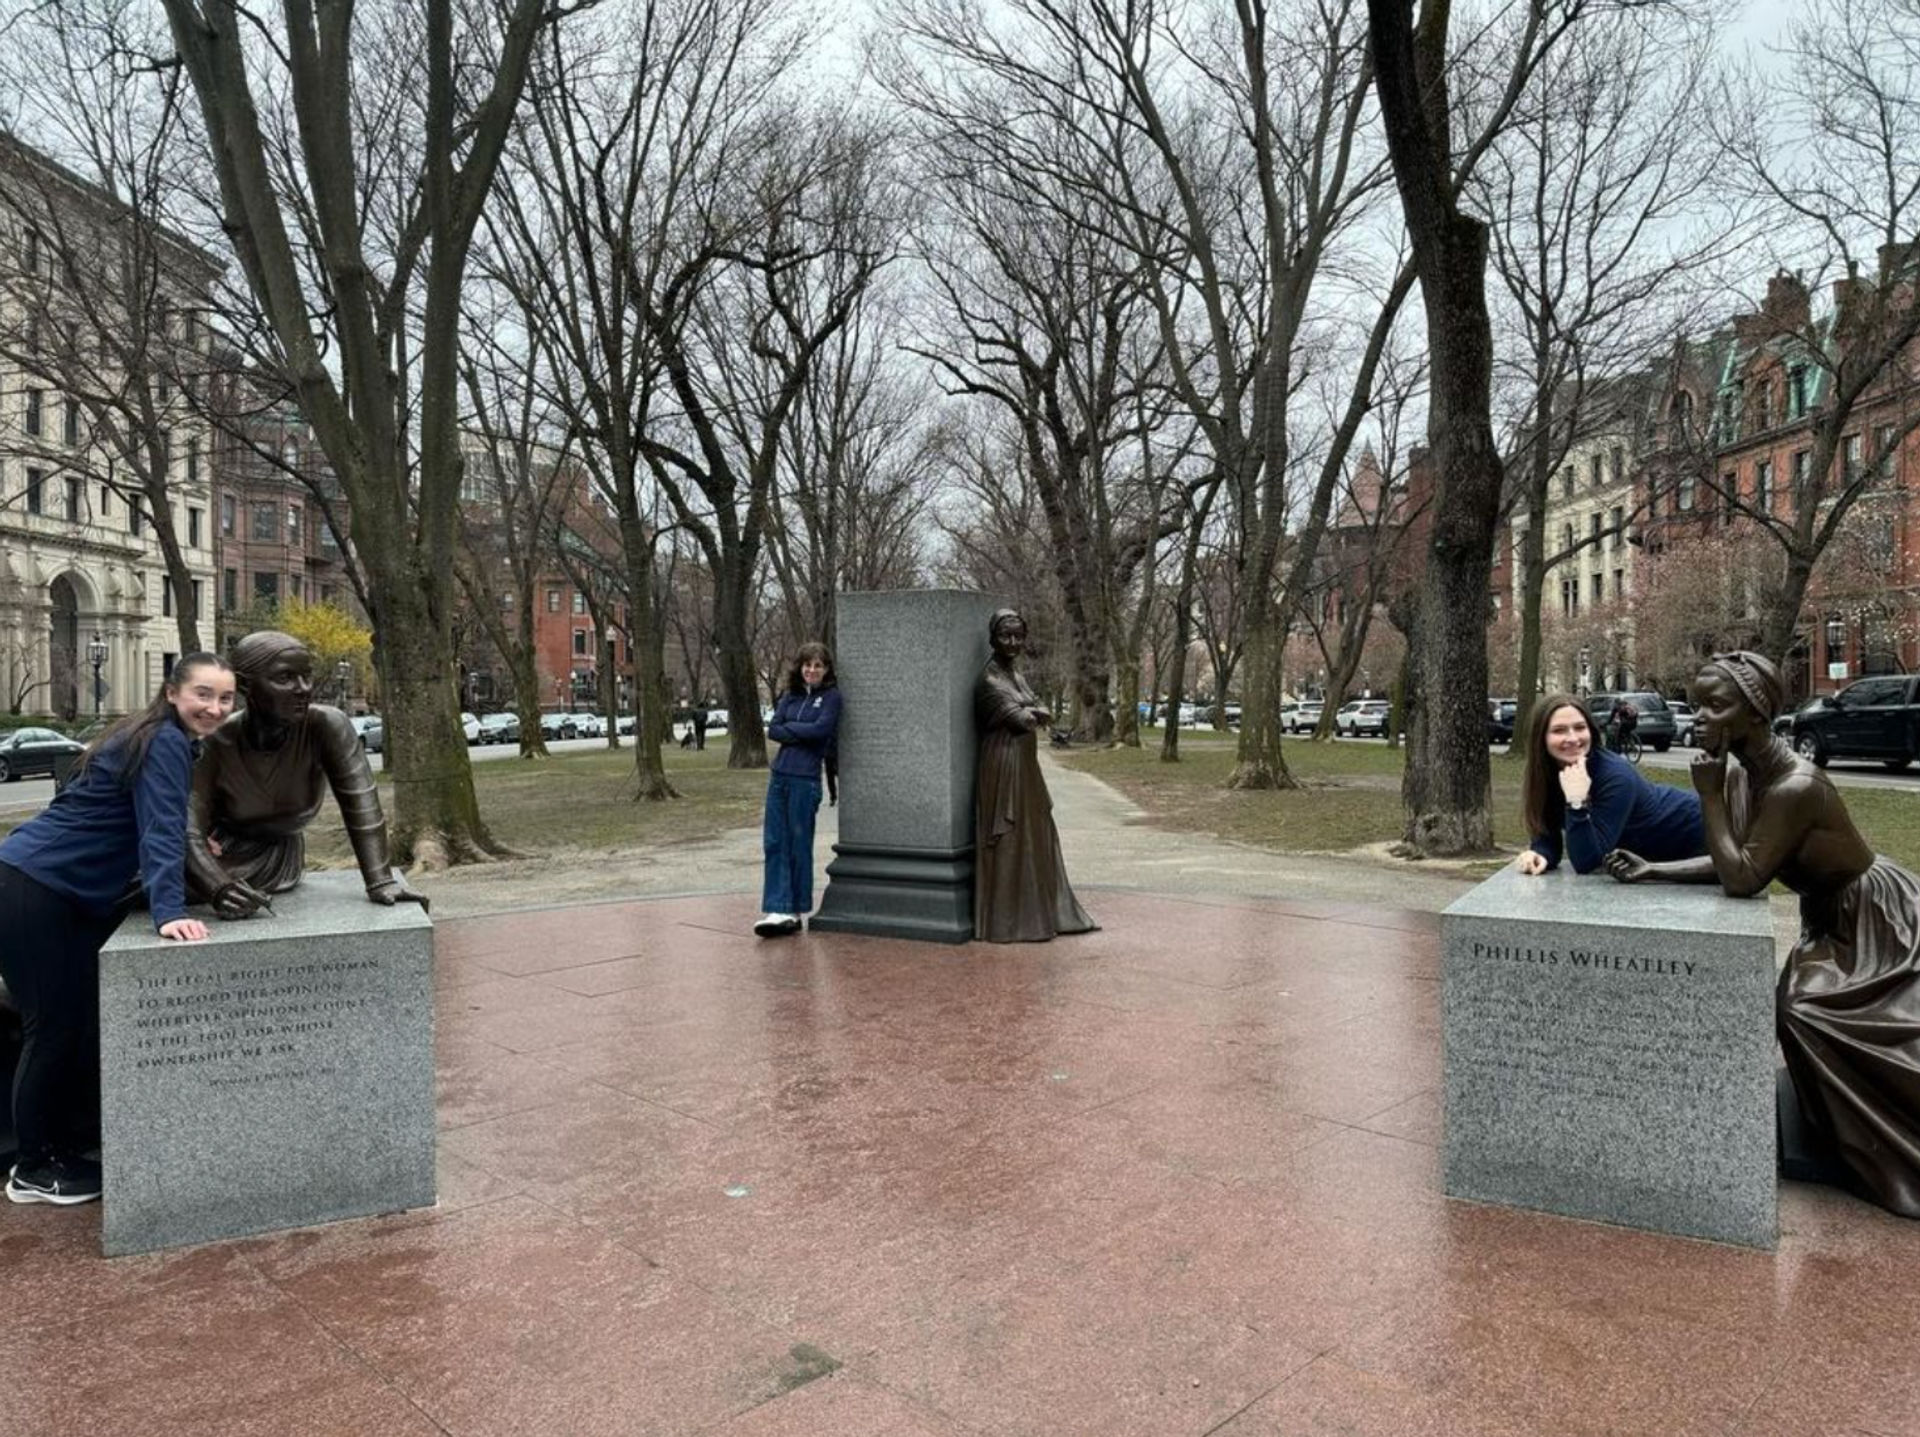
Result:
[[1656, 729], [1874, 718]]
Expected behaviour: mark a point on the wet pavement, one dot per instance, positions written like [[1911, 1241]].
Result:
[[1177, 1177]]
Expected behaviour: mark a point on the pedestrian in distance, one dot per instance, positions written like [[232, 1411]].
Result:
[[1578, 798], [806, 725], [67, 877]]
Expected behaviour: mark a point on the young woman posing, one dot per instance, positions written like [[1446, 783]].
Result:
[[1587, 801], [805, 723], [65, 877]]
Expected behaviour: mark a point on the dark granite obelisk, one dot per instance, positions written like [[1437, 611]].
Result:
[[903, 867]]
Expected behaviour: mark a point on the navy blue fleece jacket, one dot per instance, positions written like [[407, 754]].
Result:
[[1624, 810], [806, 726]]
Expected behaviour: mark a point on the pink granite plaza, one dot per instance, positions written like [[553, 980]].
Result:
[[1179, 1177]]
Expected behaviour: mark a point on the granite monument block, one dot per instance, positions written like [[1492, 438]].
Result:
[[1609, 1053], [903, 865], [278, 1075]]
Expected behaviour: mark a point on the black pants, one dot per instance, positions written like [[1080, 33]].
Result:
[[50, 958]]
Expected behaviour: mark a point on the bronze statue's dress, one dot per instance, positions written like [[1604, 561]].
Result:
[[258, 802], [1848, 1014], [1020, 888]]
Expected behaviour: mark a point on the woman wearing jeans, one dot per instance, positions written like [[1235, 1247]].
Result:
[[65, 877], [805, 722]]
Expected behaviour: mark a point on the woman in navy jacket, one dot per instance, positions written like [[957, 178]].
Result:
[[1587, 801], [65, 879], [806, 722]]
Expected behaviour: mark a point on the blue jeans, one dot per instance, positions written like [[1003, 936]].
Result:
[[788, 835]]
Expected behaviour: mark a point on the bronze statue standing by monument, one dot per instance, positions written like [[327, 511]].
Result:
[[1848, 1003], [261, 778], [1021, 893]]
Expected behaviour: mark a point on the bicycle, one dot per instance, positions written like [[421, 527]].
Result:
[[1627, 746]]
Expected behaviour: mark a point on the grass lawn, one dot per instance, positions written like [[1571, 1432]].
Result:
[[1352, 796], [579, 801]]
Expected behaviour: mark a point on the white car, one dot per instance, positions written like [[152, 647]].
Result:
[[588, 725], [470, 725], [1370, 716]]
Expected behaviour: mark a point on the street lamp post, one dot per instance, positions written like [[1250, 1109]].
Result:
[[343, 671], [97, 655]]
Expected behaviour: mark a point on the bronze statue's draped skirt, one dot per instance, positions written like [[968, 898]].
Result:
[[1020, 888], [1849, 1020]]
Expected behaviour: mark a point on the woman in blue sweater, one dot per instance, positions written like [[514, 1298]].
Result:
[[805, 723], [1588, 801], [66, 878]]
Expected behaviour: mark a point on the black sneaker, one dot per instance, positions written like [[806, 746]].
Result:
[[61, 1181]]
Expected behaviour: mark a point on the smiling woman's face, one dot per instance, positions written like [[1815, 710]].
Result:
[[1568, 737]]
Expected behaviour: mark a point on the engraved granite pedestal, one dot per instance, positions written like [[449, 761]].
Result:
[[1609, 1053], [903, 866], [278, 1075]]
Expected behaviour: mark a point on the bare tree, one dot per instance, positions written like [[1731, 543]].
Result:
[[105, 312], [338, 250], [1844, 198]]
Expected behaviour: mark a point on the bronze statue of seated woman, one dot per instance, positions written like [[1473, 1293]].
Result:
[[1848, 1003], [261, 779]]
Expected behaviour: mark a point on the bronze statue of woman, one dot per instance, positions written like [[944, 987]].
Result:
[[1848, 1003], [261, 778], [1020, 888]]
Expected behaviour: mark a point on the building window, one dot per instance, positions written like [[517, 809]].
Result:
[[1619, 583], [36, 484], [1802, 469], [166, 598], [1599, 588], [1566, 481], [33, 251], [296, 586], [1683, 494], [36, 423], [579, 641], [230, 588], [293, 525], [266, 588], [73, 501], [227, 508], [1616, 463], [553, 601], [134, 516], [106, 501], [193, 459], [1797, 391], [1883, 443], [1596, 473], [1850, 457], [1763, 486], [1593, 527], [266, 522], [1617, 521], [193, 527], [1763, 405], [198, 597], [71, 422], [579, 602]]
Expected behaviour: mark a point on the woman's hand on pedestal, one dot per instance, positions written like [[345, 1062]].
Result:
[[184, 930], [1530, 863]]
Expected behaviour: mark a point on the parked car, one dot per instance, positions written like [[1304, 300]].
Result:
[[1363, 716], [500, 728], [716, 720], [1304, 718], [372, 730], [1682, 722], [34, 750], [626, 725], [1783, 723], [1500, 717], [557, 726], [586, 725], [1873, 718], [1655, 729], [470, 725]]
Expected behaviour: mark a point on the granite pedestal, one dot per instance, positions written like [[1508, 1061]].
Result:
[[1609, 1053], [278, 1075], [903, 865]]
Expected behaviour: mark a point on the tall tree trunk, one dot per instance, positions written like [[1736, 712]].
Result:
[[650, 713], [746, 738]]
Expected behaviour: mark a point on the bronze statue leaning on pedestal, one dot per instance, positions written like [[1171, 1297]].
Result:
[[261, 778], [1020, 888], [1848, 1004]]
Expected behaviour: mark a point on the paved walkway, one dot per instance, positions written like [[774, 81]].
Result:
[[1179, 1178]]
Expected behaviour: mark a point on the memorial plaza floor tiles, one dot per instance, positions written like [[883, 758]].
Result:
[[1178, 1177]]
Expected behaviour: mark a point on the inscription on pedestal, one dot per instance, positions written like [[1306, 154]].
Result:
[[276, 1076], [1608, 1054]]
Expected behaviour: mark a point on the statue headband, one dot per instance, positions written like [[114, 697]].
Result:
[[1755, 677]]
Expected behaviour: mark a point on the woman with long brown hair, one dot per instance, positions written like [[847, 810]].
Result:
[[1579, 799], [66, 876]]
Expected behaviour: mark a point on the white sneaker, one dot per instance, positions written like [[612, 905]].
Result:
[[772, 925]]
